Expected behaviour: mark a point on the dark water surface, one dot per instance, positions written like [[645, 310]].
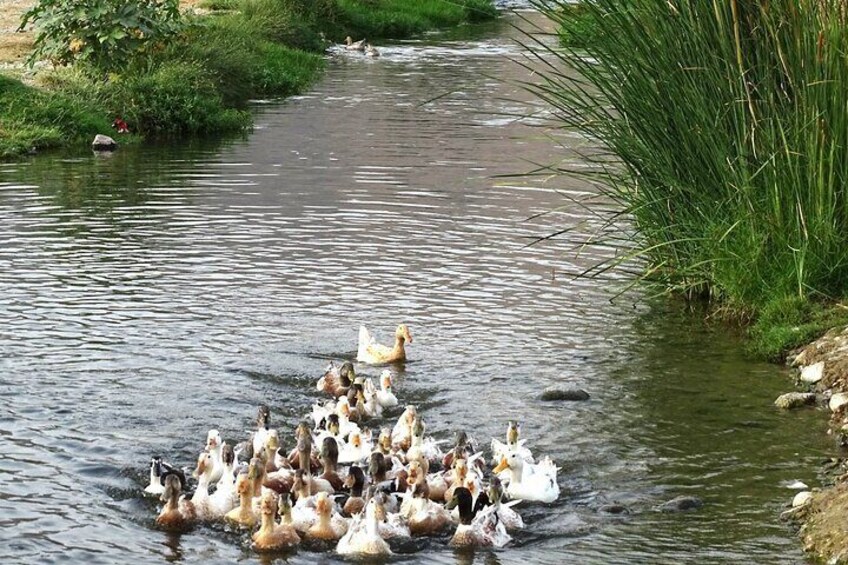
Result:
[[151, 295]]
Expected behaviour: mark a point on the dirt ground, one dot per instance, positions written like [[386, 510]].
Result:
[[15, 46]]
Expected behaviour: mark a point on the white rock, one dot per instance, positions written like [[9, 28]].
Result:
[[801, 498], [838, 400], [797, 485], [103, 143], [792, 400], [812, 373]]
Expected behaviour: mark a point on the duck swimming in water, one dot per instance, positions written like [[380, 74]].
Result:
[[527, 481], [363, 536], [480, 530], [352, 45], [158, 469], [272, 536], [329, 526], [244, 515], [374, 353], [178, 513]]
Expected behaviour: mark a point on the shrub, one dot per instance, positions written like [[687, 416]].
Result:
[[108, 34]]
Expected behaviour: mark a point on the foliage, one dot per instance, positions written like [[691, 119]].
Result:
[[108, 34], [726, 136], [33, 119]]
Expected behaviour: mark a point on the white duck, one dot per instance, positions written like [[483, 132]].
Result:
[[385, 396], [374, 353], [513, 445], [363, 537], [214, 444], [527, 481], [357, 449], [225, 497], [200, 499]]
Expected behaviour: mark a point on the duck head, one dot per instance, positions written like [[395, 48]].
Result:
[[323, 507], [418, 427], [330, 452], [263, 417], [462, 499], [385, 441], [386, 380], [460, 470], [284, 508], [213, 440], [228, 456], [346, 373], [204, 465], [511, 462], [495, 491], [415, 473], [173, 487], [355, 480], [402, 334], [272, 444], [268, 506], [244, 485], [333, 425]]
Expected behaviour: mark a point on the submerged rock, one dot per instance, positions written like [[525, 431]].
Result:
[[614, 509], [681, 504], [103, 143], [792, 400], [838, 400], [573, 394], [813, 373]]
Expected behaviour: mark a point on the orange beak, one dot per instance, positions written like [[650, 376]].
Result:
[[501, 466]]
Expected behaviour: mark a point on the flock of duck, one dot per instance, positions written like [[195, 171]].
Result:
[[362, 46], [398, 486]]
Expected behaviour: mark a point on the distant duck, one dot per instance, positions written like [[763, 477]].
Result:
[[337, 380], [178, 513], [510, 518], [260, 435], [272, 536], [527, 481], [374, 353], [371, 51], [352, 45], [513, 445]]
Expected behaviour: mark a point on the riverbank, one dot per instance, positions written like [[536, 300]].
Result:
[[200, 82], [823, 366]]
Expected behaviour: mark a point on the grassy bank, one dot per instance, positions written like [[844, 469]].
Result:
[[726, 128], [200, 80]]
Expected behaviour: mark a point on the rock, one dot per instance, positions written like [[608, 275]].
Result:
[[794, 514], [812, 373], [103, 143], [797, 485], [574, 394], [801, 498], [838, 400], [792, 400], [614, 509], [681, 504]]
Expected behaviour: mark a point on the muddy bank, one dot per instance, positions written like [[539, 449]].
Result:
[[823, 370]]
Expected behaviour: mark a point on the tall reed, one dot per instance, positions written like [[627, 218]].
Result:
[[727, 124]]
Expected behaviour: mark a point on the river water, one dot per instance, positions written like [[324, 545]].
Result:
[[150, 295]]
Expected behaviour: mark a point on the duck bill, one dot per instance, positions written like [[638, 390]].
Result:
[[451, 504], [501, 466]]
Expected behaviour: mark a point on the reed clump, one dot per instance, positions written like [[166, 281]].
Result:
[[726, 123]]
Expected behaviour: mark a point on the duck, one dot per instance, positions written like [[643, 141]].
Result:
[[225, 497], [200, 499], [158, 469], [402, 432], [373, 353], [330, 460], [352, 45], [355, 481], [357, 449], [272, 536], [301, 456], [329, 526], [337, 381], [371, 51], [178, 513], [363, 537], [480, 530], [391, 524], [214, 444], [281, 480], [385, 396], [462, 450], [424, 516], [531, 482], [513, 445], [458, 475], [260, 434], [511, 519], [243, 515]]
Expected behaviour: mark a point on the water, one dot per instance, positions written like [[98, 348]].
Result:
[[156, 293]]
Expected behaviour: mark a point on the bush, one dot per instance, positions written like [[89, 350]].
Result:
[[107, 34], [177, 97], [727, 126]]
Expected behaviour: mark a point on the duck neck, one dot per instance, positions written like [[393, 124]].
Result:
[[330, 466], [267, 524], [324, 520], [202, 490], [173, 502], [245, 504], [515, 474], [398, 352], [371, 524]]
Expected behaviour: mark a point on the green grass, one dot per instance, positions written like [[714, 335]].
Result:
[[34, 119], [202, 81], [582, 27], [727, 133]]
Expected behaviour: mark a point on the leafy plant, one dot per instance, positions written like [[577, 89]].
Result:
[[108, 34]]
